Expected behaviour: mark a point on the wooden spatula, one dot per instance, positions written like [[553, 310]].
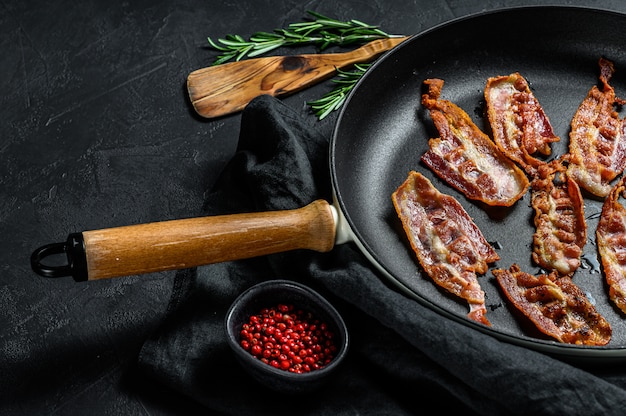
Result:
[[223, 89]]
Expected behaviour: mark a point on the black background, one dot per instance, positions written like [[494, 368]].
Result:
[[97, 131]]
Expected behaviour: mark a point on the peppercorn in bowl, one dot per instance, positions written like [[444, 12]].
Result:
[[286, 335]]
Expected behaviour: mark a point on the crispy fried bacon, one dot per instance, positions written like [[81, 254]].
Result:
[[556, 306], [597, 150], [466, 157], [560, 226], [448, 245], [519, 125], [611, 240]]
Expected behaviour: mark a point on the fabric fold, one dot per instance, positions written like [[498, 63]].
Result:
[[403, 355]]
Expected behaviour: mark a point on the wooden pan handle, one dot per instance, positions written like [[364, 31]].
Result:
[[184, 243]]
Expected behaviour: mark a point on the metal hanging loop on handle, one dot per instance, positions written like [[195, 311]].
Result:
[[74, 249]]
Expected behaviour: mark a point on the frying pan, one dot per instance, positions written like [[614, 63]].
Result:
[[383, 131], [380, 135]]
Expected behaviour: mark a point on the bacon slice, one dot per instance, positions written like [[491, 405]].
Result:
[[611, 240], [519, 125], [448, 245], [597, 149], [560, 226], [556, 306], [466, 157]]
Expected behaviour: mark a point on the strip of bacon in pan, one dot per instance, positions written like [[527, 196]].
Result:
[[519, 124], [560, 226], [597, 149], [448, 245], [466, 157], [611, 240], [556, 306]]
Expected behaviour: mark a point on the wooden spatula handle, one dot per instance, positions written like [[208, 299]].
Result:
[[227, 88]]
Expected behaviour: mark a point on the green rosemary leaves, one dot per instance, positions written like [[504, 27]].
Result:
[[333, 100], [323, 32]]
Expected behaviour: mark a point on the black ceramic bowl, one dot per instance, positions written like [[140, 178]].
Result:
[[270, 294]]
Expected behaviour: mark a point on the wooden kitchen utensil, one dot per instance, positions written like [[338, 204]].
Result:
[[223, 89]]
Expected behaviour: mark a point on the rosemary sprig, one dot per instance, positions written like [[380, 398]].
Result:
[[322, 31], [335, 98]]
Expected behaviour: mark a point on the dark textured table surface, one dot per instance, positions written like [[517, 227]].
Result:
[[97, 131]]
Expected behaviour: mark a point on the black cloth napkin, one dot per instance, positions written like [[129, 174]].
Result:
[[403, 359]]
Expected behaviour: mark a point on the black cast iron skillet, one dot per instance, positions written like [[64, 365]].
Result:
[[380, 136], [383, 131]]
